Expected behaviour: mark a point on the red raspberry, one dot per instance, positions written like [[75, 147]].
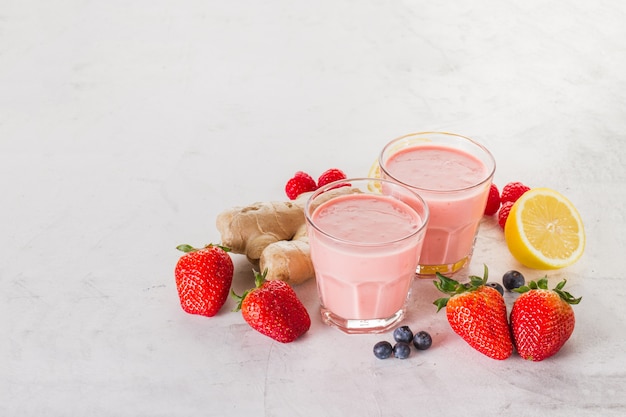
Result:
[[512, 191], [300, 183], [493, 201], [503, 213], [329, 176]]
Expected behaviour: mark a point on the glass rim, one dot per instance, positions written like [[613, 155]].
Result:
[[488, 177], [341, 183]]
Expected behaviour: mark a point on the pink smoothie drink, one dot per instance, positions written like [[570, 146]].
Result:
[[455, 184], [365, 249]]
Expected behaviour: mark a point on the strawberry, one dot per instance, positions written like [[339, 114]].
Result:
[[503, 213], [493, 201], [300, 183], [203, 278], [329, 176], [542, 320], [477, 313], [272, 308], [512, 191]]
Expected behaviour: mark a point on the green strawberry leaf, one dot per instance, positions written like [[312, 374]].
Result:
[[452, 287], [259, 280], [441, 303], [186, 248], [542, 284]]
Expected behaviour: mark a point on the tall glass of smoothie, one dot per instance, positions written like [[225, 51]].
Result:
[[453, 174], [365, 236]]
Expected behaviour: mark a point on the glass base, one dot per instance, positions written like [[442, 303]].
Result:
[[357, 326], [429, 271]]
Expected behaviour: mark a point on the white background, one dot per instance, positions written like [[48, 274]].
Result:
[[127, 126]]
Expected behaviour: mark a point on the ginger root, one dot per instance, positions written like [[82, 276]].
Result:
[[248, 230], [272, 234], [289, 260]]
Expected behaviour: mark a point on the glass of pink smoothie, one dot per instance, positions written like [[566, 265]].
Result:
[[365, 236], [453, 174]]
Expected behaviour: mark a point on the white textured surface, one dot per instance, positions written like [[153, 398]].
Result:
[[126, 127]]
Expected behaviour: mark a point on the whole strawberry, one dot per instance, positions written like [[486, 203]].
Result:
[[493, 201], [329, 176], [477, 313], [542, 320], [203, 278], [272, 308], [300, 183], [513, 191]]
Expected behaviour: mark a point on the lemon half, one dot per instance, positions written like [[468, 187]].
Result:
[[544, 230]]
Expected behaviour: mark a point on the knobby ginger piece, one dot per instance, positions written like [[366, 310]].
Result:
[[249, 230], [289, 260]]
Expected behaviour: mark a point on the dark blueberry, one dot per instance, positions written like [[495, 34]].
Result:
[[403, 334], [496, 286], [422, 340], [512, 280], [401, 350], [383, 350]]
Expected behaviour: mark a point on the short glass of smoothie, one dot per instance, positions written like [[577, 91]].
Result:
[[365, 237], [453, 174]]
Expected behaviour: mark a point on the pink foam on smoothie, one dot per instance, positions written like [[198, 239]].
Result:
[[369, 279], [366, 218], [438, 168]]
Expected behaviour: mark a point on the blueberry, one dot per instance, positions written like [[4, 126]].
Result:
[[383, 350], [403, 334], [496, 286], [401, 350], [512, 280], [422, 340]]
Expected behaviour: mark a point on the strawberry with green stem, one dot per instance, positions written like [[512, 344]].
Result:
[[272, 308], [477, 313], [542, 320], [203, 278]]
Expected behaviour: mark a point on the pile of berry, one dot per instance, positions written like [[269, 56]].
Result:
[[404, 337], [302, 182], [203, 281], [540, 322], [501, 203]]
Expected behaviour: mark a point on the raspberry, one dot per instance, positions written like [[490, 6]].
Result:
[[329, 176], [300, 183], [512, 191], [493, 201], [503, 213]]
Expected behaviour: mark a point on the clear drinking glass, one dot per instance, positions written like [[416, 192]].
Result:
[[365, 236], [453, 174]]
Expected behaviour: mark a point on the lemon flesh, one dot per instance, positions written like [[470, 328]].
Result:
[[544, 230]]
